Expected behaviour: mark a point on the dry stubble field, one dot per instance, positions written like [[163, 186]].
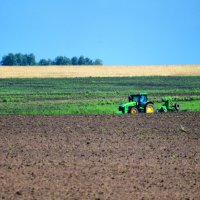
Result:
[[100, 156], [98, 71]]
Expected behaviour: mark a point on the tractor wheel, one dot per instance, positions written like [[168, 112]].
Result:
[[149, 108], [133, 111], [177, 107]]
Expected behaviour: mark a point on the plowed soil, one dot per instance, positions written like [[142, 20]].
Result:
[[100, 156]]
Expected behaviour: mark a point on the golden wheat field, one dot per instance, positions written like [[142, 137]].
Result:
[[97, 71]]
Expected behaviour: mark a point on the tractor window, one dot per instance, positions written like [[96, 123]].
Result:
[[143, 99], [136, 98]]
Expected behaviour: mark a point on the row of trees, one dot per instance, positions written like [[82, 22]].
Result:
[[19, 59]]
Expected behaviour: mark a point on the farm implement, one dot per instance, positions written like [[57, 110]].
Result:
[[139, 104], [169, 105]]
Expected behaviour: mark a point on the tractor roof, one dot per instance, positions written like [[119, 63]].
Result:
[[140, 94]]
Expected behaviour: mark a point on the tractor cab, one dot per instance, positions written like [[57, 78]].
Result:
[[140, 99]]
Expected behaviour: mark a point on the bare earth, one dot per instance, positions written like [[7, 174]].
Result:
[[100, 156]]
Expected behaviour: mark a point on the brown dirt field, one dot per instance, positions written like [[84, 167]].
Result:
[[100, 156], [97, 71]]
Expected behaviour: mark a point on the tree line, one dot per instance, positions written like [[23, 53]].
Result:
[[19, 59]]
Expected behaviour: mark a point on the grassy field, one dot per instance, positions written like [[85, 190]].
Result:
[[92, 95], [97, 71]]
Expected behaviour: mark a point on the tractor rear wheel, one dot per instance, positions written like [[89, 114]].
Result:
[[149, 108], [133, 111]]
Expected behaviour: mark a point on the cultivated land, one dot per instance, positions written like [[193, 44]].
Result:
[[92, 95], [98, 71], [100, 156]]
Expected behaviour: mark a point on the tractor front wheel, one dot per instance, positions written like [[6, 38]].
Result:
[[149, 108], [134, 111]]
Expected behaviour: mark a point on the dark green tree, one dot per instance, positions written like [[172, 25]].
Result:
[[24, 61], [62, 60], [45, 62], [81, 60], [19, 59], [9, 60], [67, 61], [98, 62], [31, 59], [88, 61], [74, 61]]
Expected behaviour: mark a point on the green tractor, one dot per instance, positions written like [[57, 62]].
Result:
[[169, 105], [137, 103]]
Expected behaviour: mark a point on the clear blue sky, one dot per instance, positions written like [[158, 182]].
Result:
[[120, 32]]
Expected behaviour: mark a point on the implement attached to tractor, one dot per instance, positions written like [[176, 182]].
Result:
[[169, 105], [137, 103]]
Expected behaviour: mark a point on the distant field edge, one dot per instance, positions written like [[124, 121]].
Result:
[[97, 71]]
